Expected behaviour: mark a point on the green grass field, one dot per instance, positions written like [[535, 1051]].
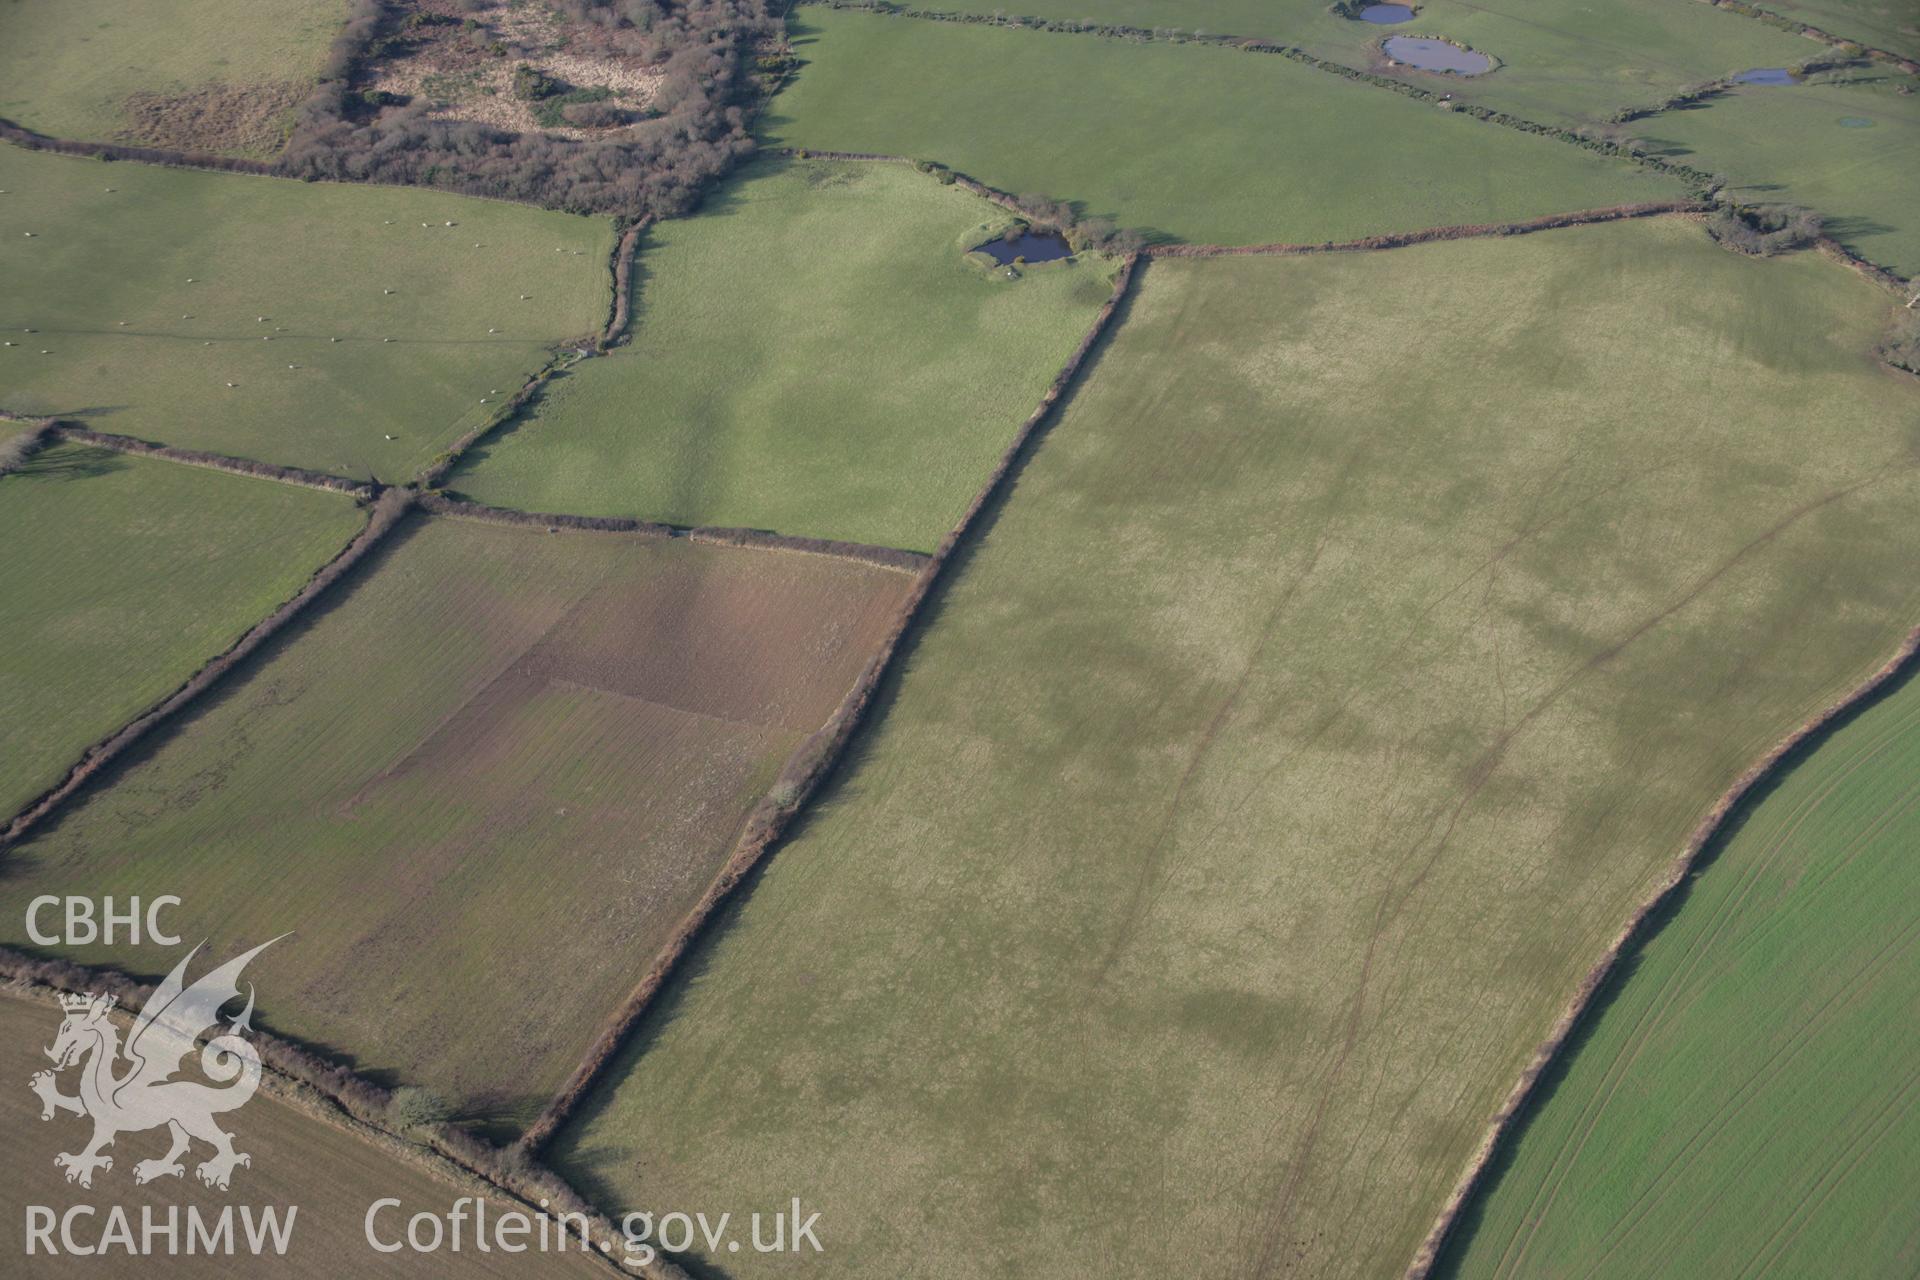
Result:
[[113, 243], [120, 577], [1745, 1104], [67, 67], [1892, 25], [481, 788], [332, 1175], [812, 354], [1273, 150], [1844, 149], [1346, 664], [1561, 61]]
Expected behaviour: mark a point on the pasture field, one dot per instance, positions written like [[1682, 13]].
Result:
[[329, 1173], [1845, 149], [813, 354], [481, 788], [157, 71], [1274, 150], [121, 577], [1561, 61], [132, 347], [1745, 1103], [1893, 25], [1345, 665]]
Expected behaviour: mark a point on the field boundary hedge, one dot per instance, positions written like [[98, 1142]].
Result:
[[443, 504], [623, 252], [815, 759], [1506, 1125], [1428, 235], [334, 1094], [364, 490], [23, 444], [385, 512]]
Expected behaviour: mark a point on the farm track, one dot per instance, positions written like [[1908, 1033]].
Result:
[[1507, 1120]]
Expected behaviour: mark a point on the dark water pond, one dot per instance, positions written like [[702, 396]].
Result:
[[1386, 14], [1765, 75], [1437, 55], [1046, 246]]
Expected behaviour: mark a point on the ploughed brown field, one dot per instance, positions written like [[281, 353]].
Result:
[[481, 785], [329, 1175]]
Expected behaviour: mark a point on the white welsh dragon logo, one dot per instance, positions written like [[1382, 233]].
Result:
[[144, 1095]]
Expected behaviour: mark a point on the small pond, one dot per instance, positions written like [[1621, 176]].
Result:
[[1386, 14], [1765, 75], [1042, 246], [1437, 55], [1856, 122]]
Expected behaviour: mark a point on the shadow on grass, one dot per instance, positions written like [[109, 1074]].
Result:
[[69, 462], [1632, 956]]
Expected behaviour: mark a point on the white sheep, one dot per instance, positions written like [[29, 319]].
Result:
[[233, 384]]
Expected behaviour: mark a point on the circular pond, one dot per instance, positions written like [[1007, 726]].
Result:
[[1032, 246], [1386, 14], [1436, 55], [1765, 75]]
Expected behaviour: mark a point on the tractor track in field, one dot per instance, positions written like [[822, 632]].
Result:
[[1663, 1005], [1505, 1125]]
